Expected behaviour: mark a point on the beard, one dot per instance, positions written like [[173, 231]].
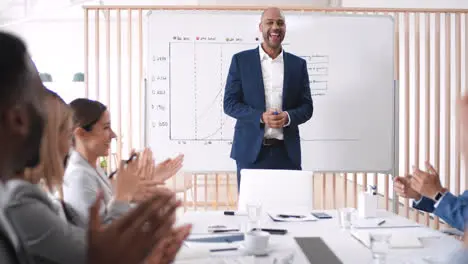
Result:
[[32, 144]]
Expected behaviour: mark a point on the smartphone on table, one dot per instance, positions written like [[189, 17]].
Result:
[[322, 215]]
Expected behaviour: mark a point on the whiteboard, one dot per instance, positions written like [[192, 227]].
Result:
[[350, 63]]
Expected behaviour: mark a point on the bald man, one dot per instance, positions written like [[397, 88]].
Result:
[[267, 92]]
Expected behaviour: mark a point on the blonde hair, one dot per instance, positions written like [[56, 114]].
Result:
[[51, 169]]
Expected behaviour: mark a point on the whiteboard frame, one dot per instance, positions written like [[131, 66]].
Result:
[[392, 171]]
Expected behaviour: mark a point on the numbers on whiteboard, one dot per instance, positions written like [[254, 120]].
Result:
[[158, 107], [158, 92], [182, 142], [158, 78], [163, 124], [159, 58]]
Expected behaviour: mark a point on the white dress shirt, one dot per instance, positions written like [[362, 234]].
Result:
[[273, 76]]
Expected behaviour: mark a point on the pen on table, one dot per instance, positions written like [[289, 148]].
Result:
[[225, 230], [290, 216], [235, 213], [223, 249], [381, 223]]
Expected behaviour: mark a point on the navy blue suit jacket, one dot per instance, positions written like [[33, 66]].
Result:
[[244, 100], [451, 209]]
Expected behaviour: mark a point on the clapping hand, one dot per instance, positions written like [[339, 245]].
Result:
[[127, 180], [168, 168], [426, 183], [162, 171], [151, 176], [402, 186], [133, 237], [166, 250]]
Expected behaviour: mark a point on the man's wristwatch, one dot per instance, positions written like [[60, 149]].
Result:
[[438, 196]]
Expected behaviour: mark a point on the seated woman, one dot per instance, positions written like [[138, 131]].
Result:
[[51, 236], [49, 230], [83, 179]]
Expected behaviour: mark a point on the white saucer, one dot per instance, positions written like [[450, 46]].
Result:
[[264, 252]]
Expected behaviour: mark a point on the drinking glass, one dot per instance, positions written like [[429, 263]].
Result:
[[345, 217], [254, 212], [380, 245]]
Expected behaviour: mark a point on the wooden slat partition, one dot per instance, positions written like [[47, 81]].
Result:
[[406, 102], [437, 99], [129, 134], [425, 61], [458, 78], [466, 72], [428, 93], [417, 85]]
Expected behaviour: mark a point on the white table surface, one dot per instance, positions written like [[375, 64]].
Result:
[[437, 246]]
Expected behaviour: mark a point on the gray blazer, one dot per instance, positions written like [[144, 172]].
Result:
[[11, 250], [45, 236], [81, 185]]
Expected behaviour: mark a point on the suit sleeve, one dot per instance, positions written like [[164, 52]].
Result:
[[47, 237], [234, 105], [303, 112], [425, 204], [81, 191], [453, 210]]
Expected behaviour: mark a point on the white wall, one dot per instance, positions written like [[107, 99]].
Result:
[[461, 4], [265, 2]]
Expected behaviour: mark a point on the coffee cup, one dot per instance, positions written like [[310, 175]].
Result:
[[256, 242]]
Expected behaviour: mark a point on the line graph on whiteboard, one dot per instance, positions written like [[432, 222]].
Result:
[[188, 88], [197, 98]]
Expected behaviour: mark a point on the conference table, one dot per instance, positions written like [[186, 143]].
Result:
[[437, 246]]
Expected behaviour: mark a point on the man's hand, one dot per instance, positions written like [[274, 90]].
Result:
[[166, 250], [133, 237], [402, 186], [275, 119], [427, 183]]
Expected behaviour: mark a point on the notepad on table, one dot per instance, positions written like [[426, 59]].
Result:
[[217, 239], [363, 223], [291, 216], [397, 240]]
